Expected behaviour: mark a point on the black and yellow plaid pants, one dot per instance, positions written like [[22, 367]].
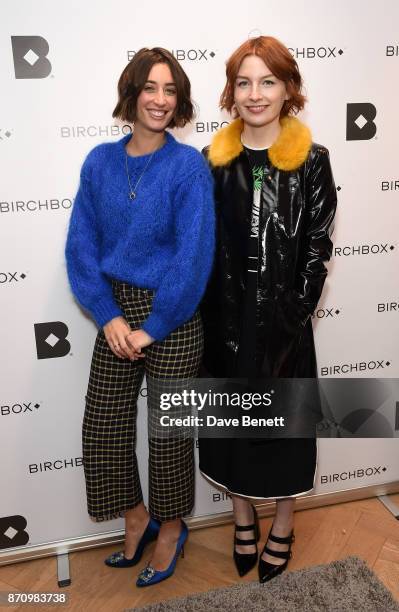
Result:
[[109, 424]]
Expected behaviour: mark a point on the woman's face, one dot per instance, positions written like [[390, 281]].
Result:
[[258, 95], [157, 101]]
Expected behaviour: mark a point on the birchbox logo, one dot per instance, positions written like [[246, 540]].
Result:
[[30, 57], [182, 55], [360, 123], [51, 340], [322, 52], [209, 127], [12, 531]]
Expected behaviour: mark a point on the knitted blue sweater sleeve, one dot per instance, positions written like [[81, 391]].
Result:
[[91, 287], [183, 285]]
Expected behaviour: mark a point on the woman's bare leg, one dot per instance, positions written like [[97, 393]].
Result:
[[136, 521], [243, 515], [165, 547], [283, 524]]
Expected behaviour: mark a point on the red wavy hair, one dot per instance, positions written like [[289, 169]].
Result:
[[279, 61]]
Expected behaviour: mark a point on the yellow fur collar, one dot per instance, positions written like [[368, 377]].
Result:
[[288, 152]]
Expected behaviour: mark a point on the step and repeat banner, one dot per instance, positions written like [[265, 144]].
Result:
[[59, 67]]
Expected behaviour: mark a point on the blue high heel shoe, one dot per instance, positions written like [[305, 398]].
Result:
[[118, 559], [149, 575]]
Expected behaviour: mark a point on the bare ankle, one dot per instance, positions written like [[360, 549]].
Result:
[[243, 512], [282, 527], [170, 530], [135, 519]]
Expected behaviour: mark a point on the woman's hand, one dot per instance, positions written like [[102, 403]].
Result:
[[137, 340], [115, 332]]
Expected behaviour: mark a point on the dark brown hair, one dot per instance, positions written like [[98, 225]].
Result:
[[134, 77], [281, 63]]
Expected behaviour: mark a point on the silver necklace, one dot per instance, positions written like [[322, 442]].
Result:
[[133, 190]]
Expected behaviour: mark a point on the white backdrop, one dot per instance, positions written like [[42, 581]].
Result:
[[57, 104]]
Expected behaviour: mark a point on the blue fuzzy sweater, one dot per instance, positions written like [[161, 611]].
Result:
[[163, 240]]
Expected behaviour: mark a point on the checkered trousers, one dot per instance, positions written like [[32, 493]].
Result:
[[109, 424]]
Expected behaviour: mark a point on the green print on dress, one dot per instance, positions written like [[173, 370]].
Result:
[[257, 173]]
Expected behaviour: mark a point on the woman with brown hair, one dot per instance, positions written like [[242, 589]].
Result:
[[139, 252], [275, 204]]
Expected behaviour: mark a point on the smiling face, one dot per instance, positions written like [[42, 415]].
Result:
[[258, 95], [157, 101]]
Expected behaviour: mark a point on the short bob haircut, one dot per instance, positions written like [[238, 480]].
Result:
[[281, 63], [134, 77]]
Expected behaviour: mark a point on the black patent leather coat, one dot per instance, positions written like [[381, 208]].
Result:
[[296, 221]]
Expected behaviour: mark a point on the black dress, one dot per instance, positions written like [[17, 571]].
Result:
[[252, 467]]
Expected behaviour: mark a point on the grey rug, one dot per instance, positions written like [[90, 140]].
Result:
[[340, 586]]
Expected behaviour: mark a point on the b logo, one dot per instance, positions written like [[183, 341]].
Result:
[[30, 57], [51, 340], [12, 531], [360, 121]]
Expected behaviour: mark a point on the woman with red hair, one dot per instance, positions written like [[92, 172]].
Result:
[[275, 204]]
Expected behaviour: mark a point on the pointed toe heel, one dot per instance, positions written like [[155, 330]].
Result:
[[150, 575], [245, 562], [118, 559], [268, 571]]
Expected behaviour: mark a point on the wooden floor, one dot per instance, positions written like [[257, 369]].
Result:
[[364, 528]]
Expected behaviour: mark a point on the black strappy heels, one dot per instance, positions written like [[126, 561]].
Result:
[[245, 562], [267, 571]]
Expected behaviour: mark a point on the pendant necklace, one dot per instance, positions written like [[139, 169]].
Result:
[[133, 190]]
